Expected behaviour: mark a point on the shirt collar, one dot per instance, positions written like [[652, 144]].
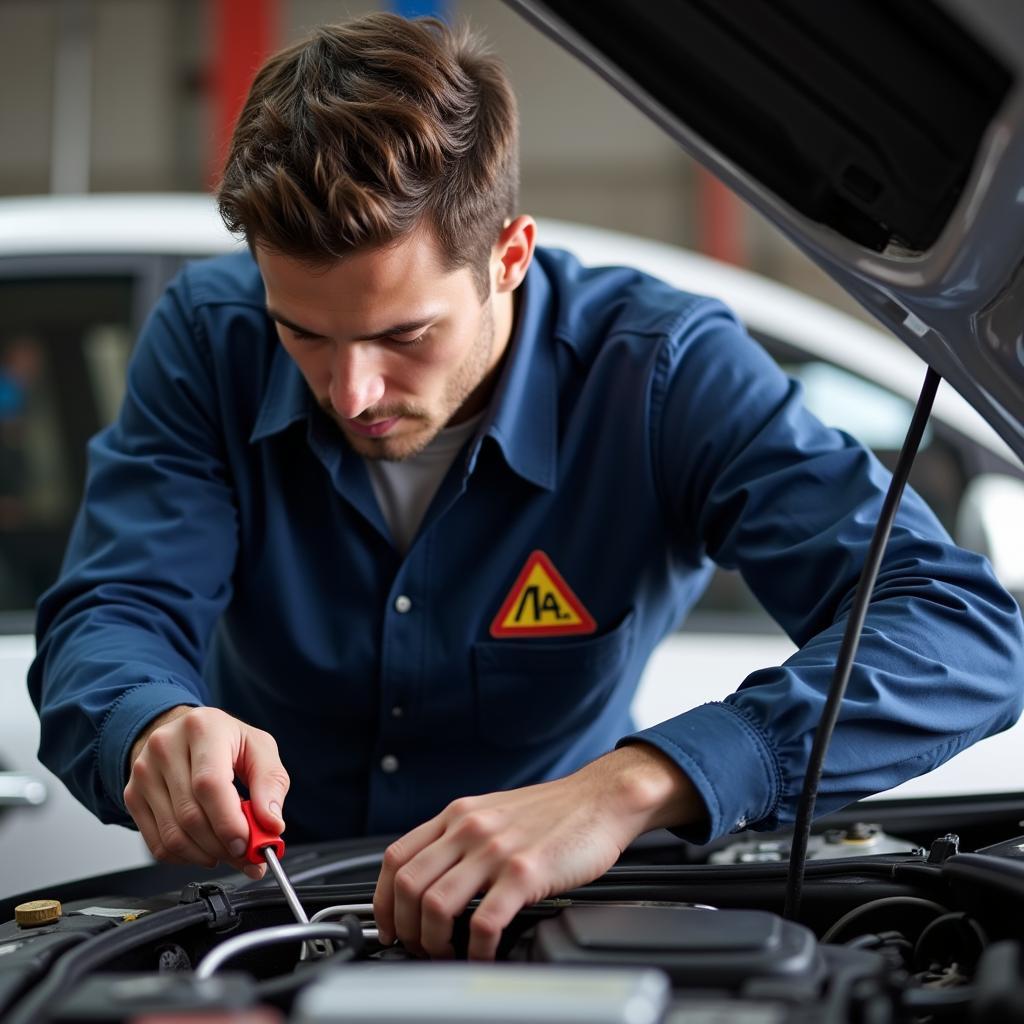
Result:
[[523, 414], [286, 399]]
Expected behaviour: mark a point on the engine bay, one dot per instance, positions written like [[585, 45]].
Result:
[[889, 931]]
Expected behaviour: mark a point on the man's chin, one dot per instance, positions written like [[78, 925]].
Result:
[[388, 448]]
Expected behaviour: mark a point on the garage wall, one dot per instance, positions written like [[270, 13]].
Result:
[[587, 155], [27, 31]]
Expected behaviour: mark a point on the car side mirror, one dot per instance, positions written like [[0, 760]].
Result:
[[990, 519]]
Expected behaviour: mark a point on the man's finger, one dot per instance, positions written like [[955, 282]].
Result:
[[412, 880], [146, 823], [495, 912], [259, 766], [395, 857], [445, 900], [138, 794], [253, 871], [211, 779], [188, 809], [173, 837]]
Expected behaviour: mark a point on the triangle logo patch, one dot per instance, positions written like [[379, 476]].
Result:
[[541, 603]]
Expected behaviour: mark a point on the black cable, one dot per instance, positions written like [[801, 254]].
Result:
[[851, 639], [887, 902]]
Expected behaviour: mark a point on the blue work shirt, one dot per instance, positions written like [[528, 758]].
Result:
[[230, 551]]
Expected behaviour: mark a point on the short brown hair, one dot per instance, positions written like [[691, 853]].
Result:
[[363, 131]]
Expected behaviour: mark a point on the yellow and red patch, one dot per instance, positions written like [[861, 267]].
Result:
[[541, 603]]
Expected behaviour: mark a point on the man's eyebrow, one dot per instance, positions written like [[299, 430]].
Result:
[[403, 328], [274, 315]]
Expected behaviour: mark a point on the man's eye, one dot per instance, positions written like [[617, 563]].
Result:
[[303, 336], [406, 342]]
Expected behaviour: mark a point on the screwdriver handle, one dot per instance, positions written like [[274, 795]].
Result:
[[259, 838]]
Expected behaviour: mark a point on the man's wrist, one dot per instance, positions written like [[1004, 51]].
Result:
[[647, 788]]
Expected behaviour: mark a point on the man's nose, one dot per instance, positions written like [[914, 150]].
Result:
[[356, 380]]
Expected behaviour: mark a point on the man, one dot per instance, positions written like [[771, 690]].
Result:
[[402, 503]]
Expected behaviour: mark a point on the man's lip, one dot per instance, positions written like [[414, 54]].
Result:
[[376, 429]]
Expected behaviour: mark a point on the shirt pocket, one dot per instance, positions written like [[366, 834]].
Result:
[[530, 692]]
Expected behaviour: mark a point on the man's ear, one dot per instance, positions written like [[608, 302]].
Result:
[[512, 253]]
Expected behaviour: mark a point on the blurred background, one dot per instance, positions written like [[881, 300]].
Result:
[[139, 95]]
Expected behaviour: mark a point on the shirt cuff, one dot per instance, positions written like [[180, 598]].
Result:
[[730, 762], [127, 717]]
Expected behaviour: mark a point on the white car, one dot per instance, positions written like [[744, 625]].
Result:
[[77, 276]]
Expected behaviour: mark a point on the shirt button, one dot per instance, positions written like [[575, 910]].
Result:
[[397, 711], [402, 604], [389, 763]]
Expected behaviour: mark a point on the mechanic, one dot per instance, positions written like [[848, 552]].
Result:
[[402, 504]]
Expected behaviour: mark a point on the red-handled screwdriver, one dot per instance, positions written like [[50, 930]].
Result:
[[266, 847]]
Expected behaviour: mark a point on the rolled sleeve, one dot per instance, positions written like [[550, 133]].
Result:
[[744, 794], [127, 717]]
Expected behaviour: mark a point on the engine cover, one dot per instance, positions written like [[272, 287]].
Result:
[[722, 949]]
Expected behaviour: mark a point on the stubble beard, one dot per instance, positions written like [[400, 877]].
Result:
[[466, 379]]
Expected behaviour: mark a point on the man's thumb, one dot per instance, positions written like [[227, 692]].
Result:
[[267, 795], [266, 779]]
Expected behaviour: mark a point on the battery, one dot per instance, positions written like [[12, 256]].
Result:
[[457, 993]]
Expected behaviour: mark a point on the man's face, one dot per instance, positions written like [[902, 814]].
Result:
[[392, 345]]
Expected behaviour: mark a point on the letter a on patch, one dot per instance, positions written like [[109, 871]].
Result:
[[541, 603]]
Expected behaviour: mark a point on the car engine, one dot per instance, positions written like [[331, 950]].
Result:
[[889, 931]]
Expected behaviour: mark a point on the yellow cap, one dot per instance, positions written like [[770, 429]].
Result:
[[37, 912]]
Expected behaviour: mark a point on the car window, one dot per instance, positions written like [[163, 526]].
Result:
[[64, 344], [861, 407], [880, 419], [946, 462]]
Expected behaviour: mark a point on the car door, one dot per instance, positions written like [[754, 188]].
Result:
[[66, 333]]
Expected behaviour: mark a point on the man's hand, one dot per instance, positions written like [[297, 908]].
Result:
[[523, 845], [181, 790]]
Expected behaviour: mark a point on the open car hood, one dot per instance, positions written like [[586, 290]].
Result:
[[885, 139]]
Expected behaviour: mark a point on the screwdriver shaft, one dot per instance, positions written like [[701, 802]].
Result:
[[286, 887]]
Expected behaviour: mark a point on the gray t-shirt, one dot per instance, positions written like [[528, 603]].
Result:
[[405, 488]]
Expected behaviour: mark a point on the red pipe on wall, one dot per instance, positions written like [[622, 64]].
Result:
[[719, 220], [245, 33]]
